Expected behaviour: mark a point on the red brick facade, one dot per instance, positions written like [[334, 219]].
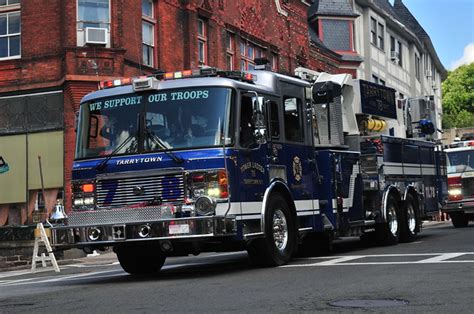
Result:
[[51, 58]]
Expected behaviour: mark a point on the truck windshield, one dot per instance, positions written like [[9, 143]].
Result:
[[152, 122], [460, 161]]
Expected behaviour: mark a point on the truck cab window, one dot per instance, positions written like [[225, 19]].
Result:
[[274, 121], [293, 125], [246, 123]]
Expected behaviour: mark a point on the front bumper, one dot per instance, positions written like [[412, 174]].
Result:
[[466, 206], [111, 227]]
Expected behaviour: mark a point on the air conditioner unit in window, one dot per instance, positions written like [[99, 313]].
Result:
[[394, 56], [95, 35]]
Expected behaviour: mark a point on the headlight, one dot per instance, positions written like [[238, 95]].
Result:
[[78, 201], [455, 192], [83, 195], [88, 200], [212, 183]]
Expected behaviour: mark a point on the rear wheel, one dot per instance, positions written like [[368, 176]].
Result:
[[408, 228], [459, 220], [388, 233], [279, 243], [140, 260]]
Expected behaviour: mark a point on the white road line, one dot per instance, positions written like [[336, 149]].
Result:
[[440, 258], [436, 258], [30, 281], [340, 260]]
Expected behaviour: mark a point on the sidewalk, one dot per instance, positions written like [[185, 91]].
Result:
[[100, 258]]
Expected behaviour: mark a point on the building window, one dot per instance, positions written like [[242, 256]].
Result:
[[381, 82], [230, 49], [373, 31], [274, 62], [202, 42], [148, 33], [147, 8], [377, 33], [417, 67], [375, 79], [248, 53], [10, 33], [380, 36], [337, 34], [395, 50], [93, 14], [8, 2], [433, 71]]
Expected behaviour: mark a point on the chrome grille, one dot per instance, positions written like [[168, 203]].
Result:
[[468, 187], [140, 191]]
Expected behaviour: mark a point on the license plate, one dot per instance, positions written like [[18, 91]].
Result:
[[179, 229]]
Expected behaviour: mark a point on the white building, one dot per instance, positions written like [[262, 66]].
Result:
[[396, 52]]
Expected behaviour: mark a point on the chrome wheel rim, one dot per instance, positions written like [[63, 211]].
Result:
[[392, 220], [411, 218], [280, 230]]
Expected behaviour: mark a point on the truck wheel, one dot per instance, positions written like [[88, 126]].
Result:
[[279, 243], [388, 233], [459, 220], [408, 229], [140, 260]]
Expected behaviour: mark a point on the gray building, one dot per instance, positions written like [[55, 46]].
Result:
[[395, 50]]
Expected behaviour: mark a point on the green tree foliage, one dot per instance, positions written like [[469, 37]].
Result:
[[458, 98]]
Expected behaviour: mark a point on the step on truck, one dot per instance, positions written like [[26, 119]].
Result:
[[460, 169], [205, 160]]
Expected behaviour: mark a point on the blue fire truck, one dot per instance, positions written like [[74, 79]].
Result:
[[206, 160]]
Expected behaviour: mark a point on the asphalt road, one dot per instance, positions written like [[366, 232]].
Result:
[[435, 274]]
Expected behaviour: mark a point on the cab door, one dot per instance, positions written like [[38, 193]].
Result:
[[296, 152], [251, 158]]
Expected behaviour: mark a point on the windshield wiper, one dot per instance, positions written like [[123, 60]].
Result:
[[158, 142], [103, 164]]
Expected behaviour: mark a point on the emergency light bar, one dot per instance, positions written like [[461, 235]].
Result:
[[461, 144], [150, 82]]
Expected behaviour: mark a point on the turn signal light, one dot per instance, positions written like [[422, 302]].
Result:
[[88, 188]]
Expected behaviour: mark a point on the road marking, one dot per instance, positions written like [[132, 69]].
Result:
[[49, 279], [441, 258], [339, 260], [434, 258]]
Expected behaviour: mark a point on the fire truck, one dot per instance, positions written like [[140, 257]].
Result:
[[205, 160], [460, 168]]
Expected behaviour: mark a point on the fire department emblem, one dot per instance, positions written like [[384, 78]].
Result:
[[297, 168]]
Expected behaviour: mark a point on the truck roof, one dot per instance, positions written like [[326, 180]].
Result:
[[264, 82]]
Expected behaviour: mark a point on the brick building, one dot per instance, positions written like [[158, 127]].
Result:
[[53, 52]]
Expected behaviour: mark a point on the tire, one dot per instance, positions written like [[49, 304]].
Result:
[[316, 244], [408, 228], [140, 260], [279, 243], [388, 233], [459, 220]]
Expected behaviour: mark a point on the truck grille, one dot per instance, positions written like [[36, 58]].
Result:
[[468, 187], [152, 189]]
